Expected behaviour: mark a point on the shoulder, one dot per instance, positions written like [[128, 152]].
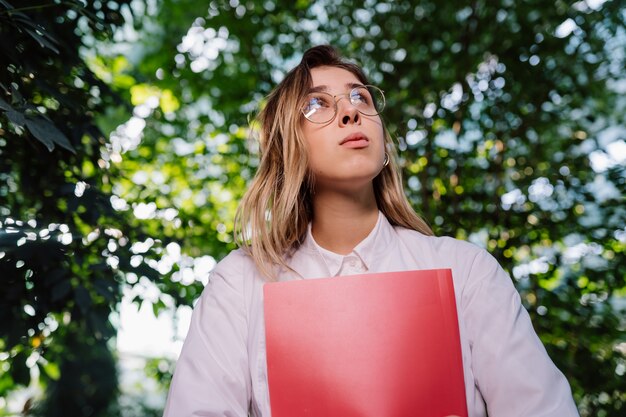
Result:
[[234, 280], [235, 268], [463, 257], [236, 261], [443, 245]]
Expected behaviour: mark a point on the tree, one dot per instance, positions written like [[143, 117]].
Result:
[[58, 229], [501, 112], [496, 108]]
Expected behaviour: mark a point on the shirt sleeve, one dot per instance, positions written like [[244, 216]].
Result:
[[512, 369], [212, 377]]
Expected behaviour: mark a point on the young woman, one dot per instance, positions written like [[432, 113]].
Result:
[[327, 200]]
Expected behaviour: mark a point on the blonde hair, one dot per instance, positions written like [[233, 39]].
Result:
[[272, 218]]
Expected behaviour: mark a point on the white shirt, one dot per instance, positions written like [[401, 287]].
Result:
[[222, 368]]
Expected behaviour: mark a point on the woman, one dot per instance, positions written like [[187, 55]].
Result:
[[327, 200]]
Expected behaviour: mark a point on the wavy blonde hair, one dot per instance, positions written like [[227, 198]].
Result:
[[272, 218]]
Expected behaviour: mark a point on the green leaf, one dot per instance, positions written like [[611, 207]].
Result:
[[52, 370], [6, 5], [158, 307], [5, 106], [6, 384], [36, 31], [45, 41], [16, 117], [47, 133]]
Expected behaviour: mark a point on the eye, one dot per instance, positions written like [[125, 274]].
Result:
[[360, 96], [315, 102]]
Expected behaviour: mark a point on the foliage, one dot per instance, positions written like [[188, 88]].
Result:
[[502, 112], [496, 108], [58, 230]]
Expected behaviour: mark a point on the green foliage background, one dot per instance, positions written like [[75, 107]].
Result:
[[124, 135]]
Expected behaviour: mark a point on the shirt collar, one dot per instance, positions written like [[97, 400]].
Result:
[[310, 259]]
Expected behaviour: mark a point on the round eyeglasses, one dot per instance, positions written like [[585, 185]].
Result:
[[321, 107]]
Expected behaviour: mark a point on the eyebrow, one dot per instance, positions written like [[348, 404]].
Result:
[[324, 88]]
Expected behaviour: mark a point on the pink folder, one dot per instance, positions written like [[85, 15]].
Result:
[[374, 345]]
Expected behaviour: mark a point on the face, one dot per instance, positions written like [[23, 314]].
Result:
[[347, 151]]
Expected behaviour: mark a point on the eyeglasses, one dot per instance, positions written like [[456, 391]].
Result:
[[321, 107]]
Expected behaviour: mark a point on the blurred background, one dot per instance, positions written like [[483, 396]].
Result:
[[125, 148]]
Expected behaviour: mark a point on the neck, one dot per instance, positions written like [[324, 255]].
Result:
[[341, 220]]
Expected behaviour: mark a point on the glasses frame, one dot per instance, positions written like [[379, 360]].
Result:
[[349, 94]]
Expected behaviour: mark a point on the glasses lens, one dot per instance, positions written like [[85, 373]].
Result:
[[319, 107], [369, 100]]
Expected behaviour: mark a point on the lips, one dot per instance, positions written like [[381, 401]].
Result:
[[355, 140]]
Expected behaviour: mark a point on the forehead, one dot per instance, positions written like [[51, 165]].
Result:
[[332, 77]]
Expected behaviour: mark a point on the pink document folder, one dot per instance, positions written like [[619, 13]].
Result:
[[374, 345]]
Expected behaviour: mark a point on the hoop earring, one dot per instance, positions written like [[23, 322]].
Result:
[[386, 161]]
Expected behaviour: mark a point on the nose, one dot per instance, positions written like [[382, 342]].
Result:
[[347, 113]]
